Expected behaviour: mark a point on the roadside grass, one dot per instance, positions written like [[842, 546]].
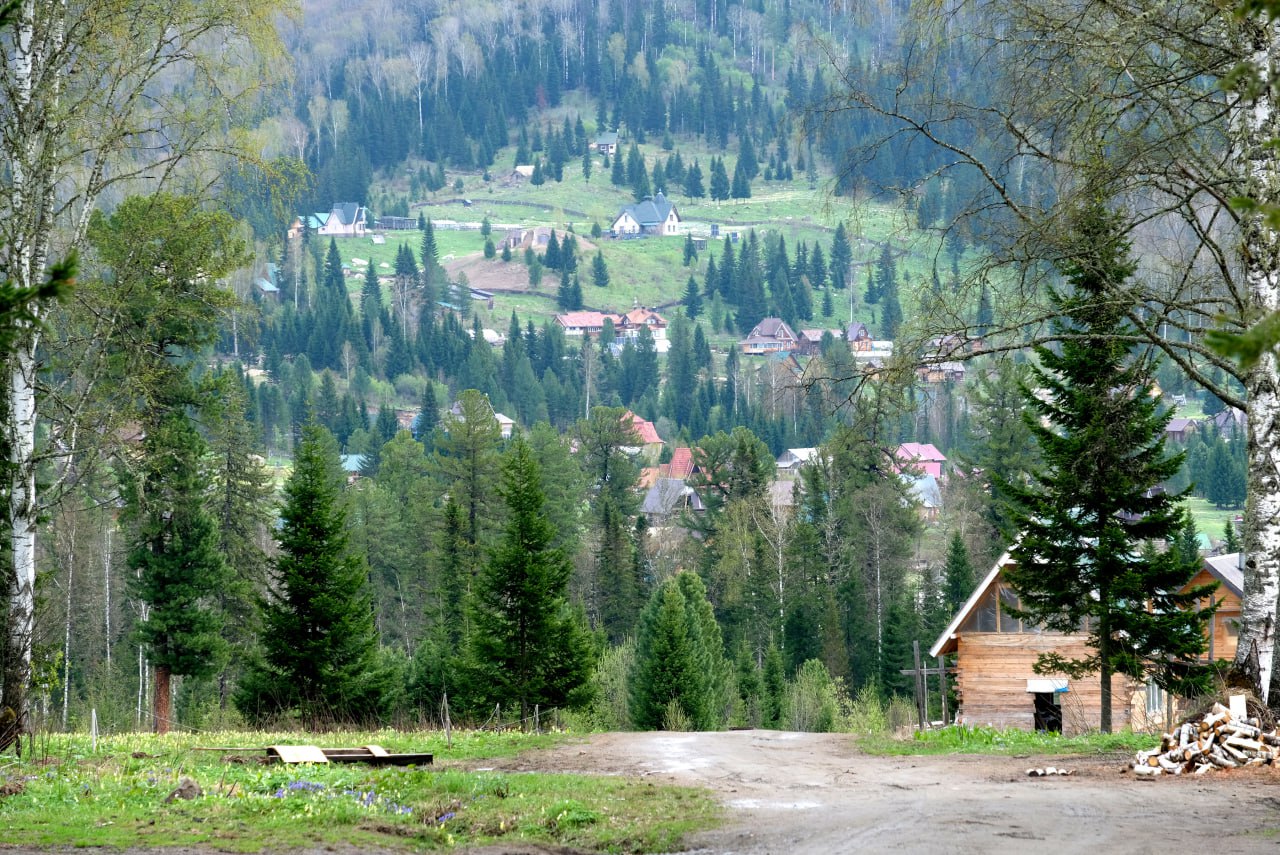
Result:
[[65, 793], [961, 739]]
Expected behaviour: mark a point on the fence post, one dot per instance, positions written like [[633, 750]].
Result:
[[537, 725], [448, 725], [942, 684], [93, 727], [922, 687]]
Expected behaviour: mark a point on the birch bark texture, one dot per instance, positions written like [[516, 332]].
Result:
[[1259, 128], [98, 96]]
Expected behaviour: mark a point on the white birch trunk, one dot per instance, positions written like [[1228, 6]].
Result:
[[66, 628], [1258, 127]]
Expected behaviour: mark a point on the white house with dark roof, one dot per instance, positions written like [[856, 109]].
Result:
[[772, 335], [606, 143], [347, 219], [655, 215]]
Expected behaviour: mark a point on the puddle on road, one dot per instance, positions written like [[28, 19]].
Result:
[[770, 804]]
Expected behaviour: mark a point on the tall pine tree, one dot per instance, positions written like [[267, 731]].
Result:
[[176, 558], [527, 646], [320, 646], [1094, 505]]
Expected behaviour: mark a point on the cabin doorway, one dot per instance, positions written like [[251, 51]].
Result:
[[1048, 716]]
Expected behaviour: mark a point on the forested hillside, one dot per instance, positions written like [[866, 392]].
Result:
[[381, 471]]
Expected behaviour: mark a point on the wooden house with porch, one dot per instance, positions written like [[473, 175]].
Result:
[[995, 656]]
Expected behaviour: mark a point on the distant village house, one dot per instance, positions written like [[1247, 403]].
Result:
[[655, 215], [347, 219]]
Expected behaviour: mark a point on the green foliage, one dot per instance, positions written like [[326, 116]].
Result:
[[1092, 506], [958, 576], [610, 694], [965, 739], [320, 647], [679, 659], [527, 646], [175, 554], [816, 703]]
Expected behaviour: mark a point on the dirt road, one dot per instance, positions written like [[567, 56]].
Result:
[[815, 794]]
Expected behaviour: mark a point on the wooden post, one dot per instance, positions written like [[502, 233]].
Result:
[[922, 702], [448, 725], [537, 725], [942, 684], [93, 727]]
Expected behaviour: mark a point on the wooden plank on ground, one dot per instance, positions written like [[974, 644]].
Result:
[[297, 753]]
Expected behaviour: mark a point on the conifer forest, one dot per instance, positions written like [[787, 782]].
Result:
[[656, 364]]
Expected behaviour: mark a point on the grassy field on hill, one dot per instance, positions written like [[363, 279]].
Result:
[[649, 271]]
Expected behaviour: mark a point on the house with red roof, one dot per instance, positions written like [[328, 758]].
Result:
[[650, 443], [772, 335], [921, 458], [681, 465], [578, 323]]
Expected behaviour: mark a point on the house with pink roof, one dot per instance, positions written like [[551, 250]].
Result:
[[577, 323], [921, 458], [650, 443]]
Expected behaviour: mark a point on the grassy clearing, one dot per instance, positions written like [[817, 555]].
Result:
[[71, 795], [1209, 519], [959, 739]]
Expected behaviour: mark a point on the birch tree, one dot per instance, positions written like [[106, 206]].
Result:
[[95, 95]]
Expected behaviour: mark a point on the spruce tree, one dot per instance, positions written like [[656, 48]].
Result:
[[178, 567], [841, 258], [1230, 538], [527, 646], [719, 180], [692, 298], [693, 182], [599, 271], [986, 314], [428, 414], [1093, 505], [618, 173], [958, 577], [1187, 541], [243, 510], [320, 646], [679, 658], [775, 688], [741, 188]]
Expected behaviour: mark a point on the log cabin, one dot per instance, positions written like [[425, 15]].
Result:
[[995, 655]]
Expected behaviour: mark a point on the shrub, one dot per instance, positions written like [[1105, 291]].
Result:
[[813, 701]]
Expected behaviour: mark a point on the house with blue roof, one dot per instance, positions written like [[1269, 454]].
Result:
[[655, 215]]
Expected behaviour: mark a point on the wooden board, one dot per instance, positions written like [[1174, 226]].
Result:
[[297, 753]]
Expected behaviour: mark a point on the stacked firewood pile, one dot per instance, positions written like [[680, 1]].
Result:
[[1218, 740]]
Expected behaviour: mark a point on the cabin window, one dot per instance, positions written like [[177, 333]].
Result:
[[1008, 600], [984, 616], [1155, 699]]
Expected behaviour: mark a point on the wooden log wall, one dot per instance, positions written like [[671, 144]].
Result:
[[993, 669]]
